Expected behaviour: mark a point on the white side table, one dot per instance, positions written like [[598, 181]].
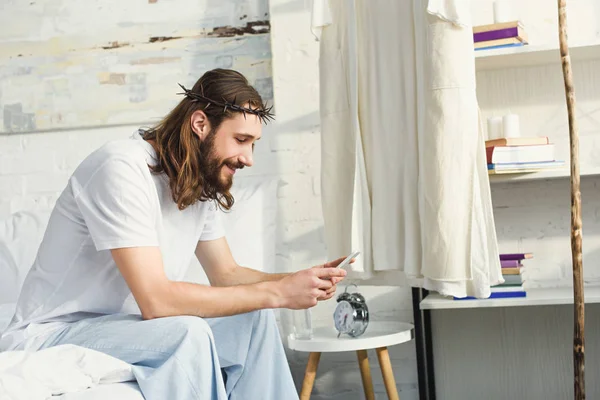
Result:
[[379, 336]]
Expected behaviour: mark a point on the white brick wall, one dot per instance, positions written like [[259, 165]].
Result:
[[34, 168]]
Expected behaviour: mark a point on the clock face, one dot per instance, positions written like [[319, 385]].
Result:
[[343, 316]]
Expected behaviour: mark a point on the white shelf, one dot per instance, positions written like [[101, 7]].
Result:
[[529, 55], [535, 297], [550, 174]]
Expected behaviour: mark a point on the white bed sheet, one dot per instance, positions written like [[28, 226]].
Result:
[[6, 313], [122, 391]]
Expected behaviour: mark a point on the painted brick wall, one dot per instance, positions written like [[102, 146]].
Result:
[[71, 55]]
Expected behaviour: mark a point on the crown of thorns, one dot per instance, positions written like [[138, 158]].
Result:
[[264, 113]]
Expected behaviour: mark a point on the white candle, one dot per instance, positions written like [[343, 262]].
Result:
[[510, 126], [501, 11], [494, 128]]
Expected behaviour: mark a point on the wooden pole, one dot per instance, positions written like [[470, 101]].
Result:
[[576, 233]]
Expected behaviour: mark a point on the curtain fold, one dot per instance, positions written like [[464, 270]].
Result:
[[404, 178]]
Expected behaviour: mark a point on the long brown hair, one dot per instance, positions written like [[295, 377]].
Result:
[[181, 154]]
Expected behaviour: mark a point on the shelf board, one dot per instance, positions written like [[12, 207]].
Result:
[[535, 297], [533, 55], [550, 174]]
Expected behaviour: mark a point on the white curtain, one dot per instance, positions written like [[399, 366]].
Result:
[[404, 178]]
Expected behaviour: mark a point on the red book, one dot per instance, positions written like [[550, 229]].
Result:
[[516, 256], [520, 141]]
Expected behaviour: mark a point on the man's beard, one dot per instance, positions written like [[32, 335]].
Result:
[[212, 166]]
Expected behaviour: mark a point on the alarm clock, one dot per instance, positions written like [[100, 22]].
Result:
[[351, 315]]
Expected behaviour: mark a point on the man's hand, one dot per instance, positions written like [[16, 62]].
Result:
[[305, 288], [329, 293]]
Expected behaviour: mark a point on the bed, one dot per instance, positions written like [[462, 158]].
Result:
[[15, 382], [250, 228]]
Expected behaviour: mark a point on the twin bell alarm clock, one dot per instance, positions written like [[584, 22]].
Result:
[[351, 315]]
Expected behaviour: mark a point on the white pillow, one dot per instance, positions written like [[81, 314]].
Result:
[[250, 226], [20, 238]]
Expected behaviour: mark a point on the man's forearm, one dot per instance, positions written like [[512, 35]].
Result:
[[183, 298], [246, 276]]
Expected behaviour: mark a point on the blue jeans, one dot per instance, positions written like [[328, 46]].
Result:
[[239, 357]]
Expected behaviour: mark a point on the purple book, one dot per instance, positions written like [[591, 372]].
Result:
[[510, 263], [515, 256], [497, 34]]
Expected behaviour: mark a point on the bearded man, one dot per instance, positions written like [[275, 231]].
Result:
[[108, 273]]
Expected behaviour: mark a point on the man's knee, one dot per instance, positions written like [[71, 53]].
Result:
[[265, 318], [260, 319], [266, 315], [195, 327]]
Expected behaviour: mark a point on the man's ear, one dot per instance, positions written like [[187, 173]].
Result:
[[200, 124]]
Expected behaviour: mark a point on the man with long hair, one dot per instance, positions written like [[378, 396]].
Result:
[[108, 272]]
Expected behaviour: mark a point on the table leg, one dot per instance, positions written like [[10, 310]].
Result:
[[309, 376], [388, 374], [365, 373], [424, 346]]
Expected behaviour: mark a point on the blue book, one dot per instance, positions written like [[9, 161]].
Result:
[[501, 46], [497, 295], [525, 165]]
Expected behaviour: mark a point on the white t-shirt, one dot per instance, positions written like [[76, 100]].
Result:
[[112, 200]]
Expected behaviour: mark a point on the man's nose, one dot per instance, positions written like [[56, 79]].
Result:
[[246, 159]]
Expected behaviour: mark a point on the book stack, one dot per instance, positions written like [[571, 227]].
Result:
[[499, 35], [521, 154], [512, 272]]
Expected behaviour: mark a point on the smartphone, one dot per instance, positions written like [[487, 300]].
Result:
[[348, 259]]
